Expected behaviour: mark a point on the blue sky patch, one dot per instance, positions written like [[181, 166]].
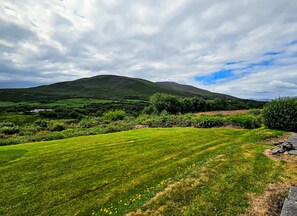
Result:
[[218, 75], [271, 53], [232, 63], [262, 63]]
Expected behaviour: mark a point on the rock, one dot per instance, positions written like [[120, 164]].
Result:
[[278, 143], [293, 193], [293, 152], [287, 146], [276, 151], [289, 208], [293, 139]]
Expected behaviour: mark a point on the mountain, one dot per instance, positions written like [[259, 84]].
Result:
[[194, 90], [101, 87]]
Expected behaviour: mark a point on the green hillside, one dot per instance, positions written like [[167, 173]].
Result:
[[100, 87], [194, 90], [178, 171]]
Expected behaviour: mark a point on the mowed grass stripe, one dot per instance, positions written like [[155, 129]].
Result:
[[87, 174]]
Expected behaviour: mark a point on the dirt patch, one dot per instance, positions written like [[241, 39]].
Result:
[[278, 139], [225, 112], [270, 202]]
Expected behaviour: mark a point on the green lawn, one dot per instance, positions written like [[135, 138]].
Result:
[[194, 172]]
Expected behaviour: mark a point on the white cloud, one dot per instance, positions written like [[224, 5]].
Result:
[[165, 40]]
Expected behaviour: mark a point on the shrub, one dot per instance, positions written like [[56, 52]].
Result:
[[255, 112], [9, 130], [281, 114], [41, 123], [88, 123], [169, 103], [115, 115], [244, 121], [57, 126], [209, 121], [169, 121]]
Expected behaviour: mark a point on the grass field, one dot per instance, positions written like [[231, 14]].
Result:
[[178, 171], [18, 118], [73, 102]]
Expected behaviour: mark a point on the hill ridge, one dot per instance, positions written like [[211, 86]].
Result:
[[102, 87]]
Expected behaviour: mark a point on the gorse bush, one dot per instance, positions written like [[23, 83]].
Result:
[[281, 114], [209, 121], [8, 128], [244, 121], [115, 115]]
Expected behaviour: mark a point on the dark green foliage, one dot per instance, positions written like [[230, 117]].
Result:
[[41, 123], [100, 87], [169, 103], [115, 115], [167, 121], [209, 121], [281, 114], [193, 105], [174, 104], [88, 122], [244, 121], [255, 112], [8, 128], [57, 126]]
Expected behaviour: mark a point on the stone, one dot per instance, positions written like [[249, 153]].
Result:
[[289, 208], [278, 143], [287, 146], [293, 193], [276, 151], [293, 152], [293, 139]]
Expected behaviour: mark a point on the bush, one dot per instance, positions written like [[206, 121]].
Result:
[[115, 115], [169, 103], [40, 123], [88, 123], [244, 121], [209, 121], [57, 126], [281, 114], [8, 128], [168, 121], [255, 112]]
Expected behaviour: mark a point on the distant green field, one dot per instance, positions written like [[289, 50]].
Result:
[[73, 102], [178, 171], [77, 102], [18, 118]]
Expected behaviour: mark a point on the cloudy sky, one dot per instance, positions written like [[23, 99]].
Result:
[[245, 48]]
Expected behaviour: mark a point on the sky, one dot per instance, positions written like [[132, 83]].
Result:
[[245, 48]]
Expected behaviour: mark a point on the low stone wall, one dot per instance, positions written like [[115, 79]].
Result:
[[290, 205]]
